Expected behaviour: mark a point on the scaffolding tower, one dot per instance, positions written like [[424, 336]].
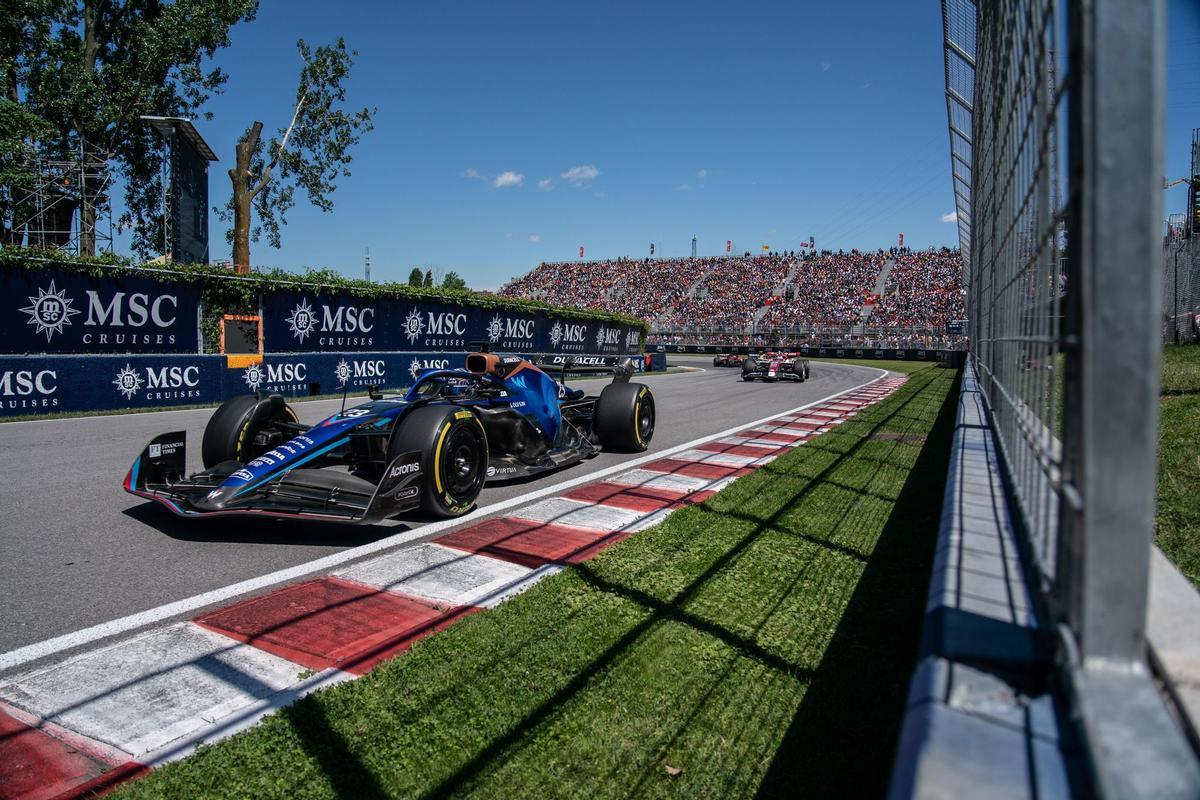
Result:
[[66, 207]]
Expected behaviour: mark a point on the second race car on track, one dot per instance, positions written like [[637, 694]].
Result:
[[770, 367], [501, 418], [727, 360]]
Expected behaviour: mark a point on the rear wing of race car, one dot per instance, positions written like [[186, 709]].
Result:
[[620, 367]]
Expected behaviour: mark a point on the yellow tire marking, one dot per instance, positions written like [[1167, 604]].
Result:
[[437, 457], [637, 428]]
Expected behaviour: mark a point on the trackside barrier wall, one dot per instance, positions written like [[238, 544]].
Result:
[[897, 353], [981, 720], [48, 309], [62, 311], [1045, 560], [44, 384]]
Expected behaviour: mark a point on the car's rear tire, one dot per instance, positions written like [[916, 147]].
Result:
[[454, 456], [229, 434], [624, 417]]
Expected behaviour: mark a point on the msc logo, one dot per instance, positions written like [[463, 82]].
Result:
[[304, 320], [447, 324], [413, 326], [607, 336], [569, 334], [632, 338], [51, 310], [419, 365], [165, 382], [253, 376], [433, 323], [256, 375], [25, 382], [509, 328], [354, 370]]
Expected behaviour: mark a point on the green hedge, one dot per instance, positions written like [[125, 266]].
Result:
[[224, 292]]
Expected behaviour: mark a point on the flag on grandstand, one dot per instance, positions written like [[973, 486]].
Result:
[[766, 248], [652, 248], [581, 251], [812, 242], [729, 245], [902, 240]]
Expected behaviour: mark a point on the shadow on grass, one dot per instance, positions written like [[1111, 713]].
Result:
[[915, 512], [842, 739], [346, 773]]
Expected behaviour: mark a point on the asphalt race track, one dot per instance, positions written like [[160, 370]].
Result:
[[79, 551]]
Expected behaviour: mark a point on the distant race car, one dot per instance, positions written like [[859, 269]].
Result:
[[501, 418], [727, 360], [770, 367]]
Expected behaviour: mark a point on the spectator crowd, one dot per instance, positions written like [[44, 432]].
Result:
[[923, 289], [795, 294]]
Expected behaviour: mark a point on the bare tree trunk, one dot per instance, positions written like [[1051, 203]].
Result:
[[87, 211], [243, 195]]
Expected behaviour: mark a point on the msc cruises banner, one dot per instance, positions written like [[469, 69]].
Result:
[[308, 374], [305, 322], [57, 384], [59, 311], [31, 385]]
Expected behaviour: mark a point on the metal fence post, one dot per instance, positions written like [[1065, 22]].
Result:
[[1114, 347]]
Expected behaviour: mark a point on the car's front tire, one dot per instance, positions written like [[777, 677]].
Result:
[[624, 417], [229, 434], [454, 456]]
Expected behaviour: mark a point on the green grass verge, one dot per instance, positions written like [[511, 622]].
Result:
[[1178, 518], [760, 643]]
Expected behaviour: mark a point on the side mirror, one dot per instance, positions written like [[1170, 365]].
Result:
[[374, 393]]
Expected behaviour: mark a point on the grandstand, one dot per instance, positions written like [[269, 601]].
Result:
[[883, 294]]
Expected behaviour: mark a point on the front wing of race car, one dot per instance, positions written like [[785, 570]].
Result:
[[317, 494]]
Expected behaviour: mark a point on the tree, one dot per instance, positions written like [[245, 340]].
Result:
[[453, 281], [92, 68], [311, 153], [415, 278], [18, 130], [428, 277]]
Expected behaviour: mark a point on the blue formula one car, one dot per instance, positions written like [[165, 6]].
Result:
[[432, 449]]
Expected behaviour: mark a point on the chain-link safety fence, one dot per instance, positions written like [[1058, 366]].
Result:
[[1181, 289], [1055, 115], [1007, 124]]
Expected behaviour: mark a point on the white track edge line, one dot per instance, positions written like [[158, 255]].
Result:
[[67, 641]]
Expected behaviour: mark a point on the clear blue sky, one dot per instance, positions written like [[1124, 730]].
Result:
[[763, 123]]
